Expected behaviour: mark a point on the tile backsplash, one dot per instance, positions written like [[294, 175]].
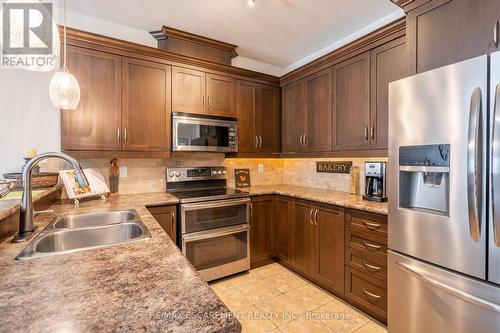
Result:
[[148, 175]]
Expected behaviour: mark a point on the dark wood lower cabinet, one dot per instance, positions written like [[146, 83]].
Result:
[[342, 250], [262, 226], [166, 216]]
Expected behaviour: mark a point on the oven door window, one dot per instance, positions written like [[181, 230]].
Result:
[[206, 217], [216, 251], [198, 135]]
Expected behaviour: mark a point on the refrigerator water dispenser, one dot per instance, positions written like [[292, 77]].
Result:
[[424, 178]]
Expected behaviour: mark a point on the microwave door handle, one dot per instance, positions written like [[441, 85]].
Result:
[[495, 167], [465, 296], [212, 234], [474, 166]]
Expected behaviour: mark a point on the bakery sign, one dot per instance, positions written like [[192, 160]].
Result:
[[333, 167]]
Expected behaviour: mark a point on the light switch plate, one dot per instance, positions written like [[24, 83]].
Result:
[[123, 171], [260, 168]]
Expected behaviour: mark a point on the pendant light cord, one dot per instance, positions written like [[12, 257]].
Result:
[[64, 29]]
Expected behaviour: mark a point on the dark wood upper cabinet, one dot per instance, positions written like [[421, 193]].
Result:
[[389, 62], [442, 32], [146, 105], [188, 90], [220, 95], [94, 125], [246, 112], [268, 118], [257, 110], [262, 231], [351, 103], [329, 222], [294, 117], [284, 229], [318, 136]]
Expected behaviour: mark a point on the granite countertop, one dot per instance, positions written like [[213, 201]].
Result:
[[11, 206], [323, 196], [146, 285]]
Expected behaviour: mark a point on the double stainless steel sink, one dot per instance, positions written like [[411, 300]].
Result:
[[72, 233]]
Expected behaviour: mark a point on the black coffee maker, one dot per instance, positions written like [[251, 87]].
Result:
[[375, 188]]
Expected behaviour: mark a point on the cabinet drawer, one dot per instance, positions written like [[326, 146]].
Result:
[[371, 265], [368, 246], [369, 293], [371, 224]]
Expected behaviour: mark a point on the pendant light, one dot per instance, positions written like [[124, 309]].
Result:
[[64, 89]]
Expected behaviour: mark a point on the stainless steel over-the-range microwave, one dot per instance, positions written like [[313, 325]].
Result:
[[204, 133]]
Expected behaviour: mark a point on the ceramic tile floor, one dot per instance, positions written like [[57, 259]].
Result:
[[274, 299]]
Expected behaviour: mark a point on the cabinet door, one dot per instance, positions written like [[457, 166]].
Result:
[[269, 119], [304, 234], [388, 63], [146, 105], [284, 228], [261, 233], [246, 111], [351, 103], [329, 222], [166, 216], [319, 111], [443, 32], [220, 95], [294, 116], [96, 122], [188, 90]]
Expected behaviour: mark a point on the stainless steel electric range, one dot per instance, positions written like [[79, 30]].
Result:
[[214, 220]]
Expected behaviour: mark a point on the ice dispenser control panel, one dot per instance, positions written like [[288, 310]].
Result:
[[429, 155]]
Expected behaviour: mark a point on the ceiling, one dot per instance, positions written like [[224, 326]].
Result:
[[276, 32]]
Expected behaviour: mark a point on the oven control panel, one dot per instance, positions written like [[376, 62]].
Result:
[[195, 174]]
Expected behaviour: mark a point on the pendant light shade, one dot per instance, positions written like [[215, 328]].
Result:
[[64, 90]]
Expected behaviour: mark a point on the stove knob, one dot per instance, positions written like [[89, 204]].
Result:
[[177, 174], [219, 172], [171, 175], [214, 172], [224, 172]]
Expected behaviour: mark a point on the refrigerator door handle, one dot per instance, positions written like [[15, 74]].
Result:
[[449, 289], [495, 171], [474, 167]]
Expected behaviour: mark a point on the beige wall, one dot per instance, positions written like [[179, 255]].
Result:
[[148, 175]]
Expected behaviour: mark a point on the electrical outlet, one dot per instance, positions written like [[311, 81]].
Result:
[[123, 171], [260, 168]]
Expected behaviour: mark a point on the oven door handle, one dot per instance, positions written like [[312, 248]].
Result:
[[213, 204], [214, 233]]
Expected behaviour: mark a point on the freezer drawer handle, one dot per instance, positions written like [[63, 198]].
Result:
[[474, 167], [370, 246], [494, 170], [449, 289], [371, 268]]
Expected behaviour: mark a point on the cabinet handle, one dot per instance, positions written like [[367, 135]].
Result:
[[366, 133], [375, 297], [372, 132], [316, 217], [495, 34], [118, 135], [371, 226], [260, 139], [305, 139], [371, 268], [125, 135], [251, 209], [256, 141], [370, 246], [172, 220], [209, 103], [203, 102], [300, 139], [310, 216]]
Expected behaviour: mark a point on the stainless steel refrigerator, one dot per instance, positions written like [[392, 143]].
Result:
[[444, 199]]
